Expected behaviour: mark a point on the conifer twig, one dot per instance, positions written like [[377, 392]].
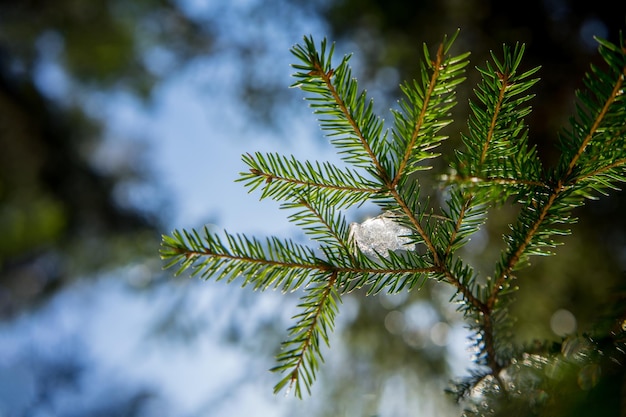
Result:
[[327, 79], [496, 164], [436, 65], [561, 185]]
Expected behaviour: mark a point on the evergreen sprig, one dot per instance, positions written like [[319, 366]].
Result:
[[497, 156], [273, 263], [496, 166], [345, 112], [301, 354], [425, 110], [281, 177]]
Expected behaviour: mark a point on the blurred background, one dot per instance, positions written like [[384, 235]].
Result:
[[120, 121]]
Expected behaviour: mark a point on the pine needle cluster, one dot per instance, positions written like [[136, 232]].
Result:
[[496, 165]]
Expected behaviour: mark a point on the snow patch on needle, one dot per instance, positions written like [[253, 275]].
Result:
[[379, 235]]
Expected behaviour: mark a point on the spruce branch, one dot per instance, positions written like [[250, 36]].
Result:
[[428, 101], [546, 210], [273, 263], [281, 178], [345, 114], [425, 110], [467, 218], [393, 273], [301, 354], [606, 103], [496, 166], [319, 219], [497, 152]]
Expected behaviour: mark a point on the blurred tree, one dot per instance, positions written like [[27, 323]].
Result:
[[60, 213]]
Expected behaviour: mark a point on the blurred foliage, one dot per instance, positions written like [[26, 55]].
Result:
[[104, 42], [59, 213]]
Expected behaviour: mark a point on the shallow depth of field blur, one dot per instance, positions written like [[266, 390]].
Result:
[[120, 121]]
